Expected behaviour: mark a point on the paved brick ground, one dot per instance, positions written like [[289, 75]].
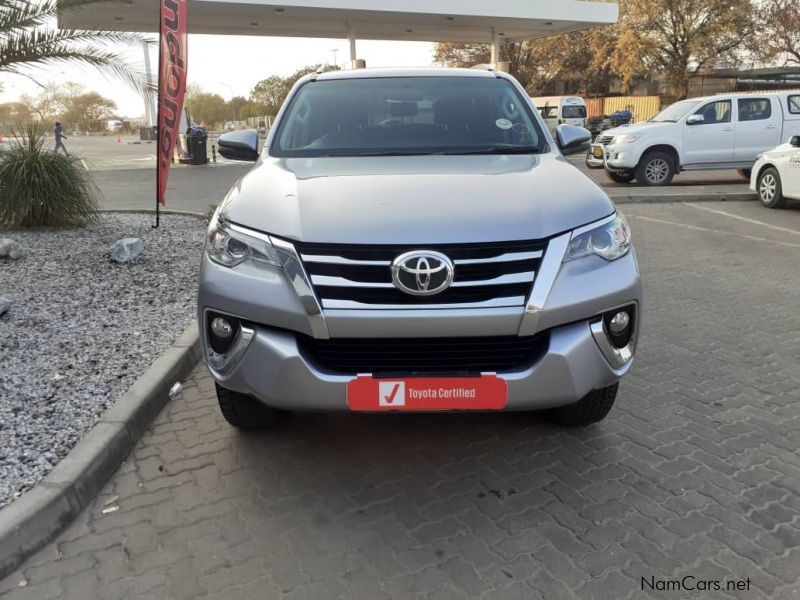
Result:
[[696, 472]]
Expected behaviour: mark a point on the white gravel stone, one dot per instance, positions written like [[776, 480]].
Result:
[[82, 330], [6, 246], [127, 250]]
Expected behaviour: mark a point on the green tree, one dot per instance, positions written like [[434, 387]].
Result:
[[29, 40], [676, 38], [272, 91], [89, 111], [778, 37], [206, 108], [579, 58]]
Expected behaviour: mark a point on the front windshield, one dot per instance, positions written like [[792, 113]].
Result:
[[673, 112], [407, 115]]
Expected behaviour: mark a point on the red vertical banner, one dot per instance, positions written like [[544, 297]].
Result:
[[172, 53]]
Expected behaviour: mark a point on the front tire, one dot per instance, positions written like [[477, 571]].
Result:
[[245, 412], [769, 188], [656, 168], [592, 408], [621, 176]]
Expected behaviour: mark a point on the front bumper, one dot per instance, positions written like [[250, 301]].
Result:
[[274, 370], [617, 157], [270, 366]]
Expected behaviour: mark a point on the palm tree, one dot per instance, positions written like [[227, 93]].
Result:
[[29, 39]]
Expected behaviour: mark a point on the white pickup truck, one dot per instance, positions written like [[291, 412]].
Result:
[[715, 132]]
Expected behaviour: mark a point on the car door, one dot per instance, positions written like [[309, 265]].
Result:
[[712, 139], [789, 169], [758, 127]]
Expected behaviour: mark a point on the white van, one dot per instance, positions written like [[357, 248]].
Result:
[[727, 131], [561, 110]]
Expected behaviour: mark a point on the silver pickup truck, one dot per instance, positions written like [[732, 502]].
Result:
[[415, 240]]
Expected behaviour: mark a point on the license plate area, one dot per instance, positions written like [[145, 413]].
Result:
[[597, 151], [382, 394]]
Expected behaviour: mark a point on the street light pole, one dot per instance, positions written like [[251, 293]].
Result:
[[335, 50]]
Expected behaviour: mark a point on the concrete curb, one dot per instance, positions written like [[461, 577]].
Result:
[[693, 197], [152, 211], [38, 516]]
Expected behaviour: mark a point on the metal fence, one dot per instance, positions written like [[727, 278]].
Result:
[[642, 107]]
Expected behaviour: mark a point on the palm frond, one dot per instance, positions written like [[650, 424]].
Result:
[[40, 47]]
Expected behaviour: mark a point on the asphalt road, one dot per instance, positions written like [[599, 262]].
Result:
[[696, 472]]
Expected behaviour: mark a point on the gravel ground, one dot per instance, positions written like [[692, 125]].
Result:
[[82, 328]]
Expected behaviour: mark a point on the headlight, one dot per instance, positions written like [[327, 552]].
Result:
[[612, 240], [625, 139], [230, 245]]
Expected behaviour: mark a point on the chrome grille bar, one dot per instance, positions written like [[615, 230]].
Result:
[[353, 305], [509, 257]]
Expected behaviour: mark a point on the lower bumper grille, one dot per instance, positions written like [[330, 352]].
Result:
[[410, 356]]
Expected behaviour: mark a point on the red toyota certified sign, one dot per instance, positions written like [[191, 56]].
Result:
[[487, 392]]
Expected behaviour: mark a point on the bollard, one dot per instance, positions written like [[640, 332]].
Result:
[[214, 153]]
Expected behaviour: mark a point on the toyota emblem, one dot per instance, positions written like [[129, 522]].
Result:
[[422, 272]]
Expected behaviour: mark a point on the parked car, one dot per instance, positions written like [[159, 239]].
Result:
[[715, 132], [414, 240], [561, 110], [228, 126], [776, 174]]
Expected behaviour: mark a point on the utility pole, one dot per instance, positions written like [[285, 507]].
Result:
[[335, 50]]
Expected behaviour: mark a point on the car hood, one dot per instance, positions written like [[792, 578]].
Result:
[[414, 199], [637, 128]]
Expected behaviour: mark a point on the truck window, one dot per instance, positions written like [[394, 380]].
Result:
[[754, 109], [794, 104], [573, 112], [716, 112]]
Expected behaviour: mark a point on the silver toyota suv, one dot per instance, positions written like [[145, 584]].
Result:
[[415, 240]]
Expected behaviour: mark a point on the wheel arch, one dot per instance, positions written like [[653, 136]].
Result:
[[672, 150], [763, 168]]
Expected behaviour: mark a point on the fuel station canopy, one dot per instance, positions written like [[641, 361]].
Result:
[[495, 21]]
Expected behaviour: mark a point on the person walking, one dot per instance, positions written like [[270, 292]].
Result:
[[60, 137]]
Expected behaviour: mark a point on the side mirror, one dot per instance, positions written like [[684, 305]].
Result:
[[572, 139], [695, 120], [239, 145], [795, 141]]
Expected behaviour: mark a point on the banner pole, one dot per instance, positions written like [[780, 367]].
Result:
[[158, 117]]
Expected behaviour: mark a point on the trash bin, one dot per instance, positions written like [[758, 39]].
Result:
[[148, 134], [197, 140]]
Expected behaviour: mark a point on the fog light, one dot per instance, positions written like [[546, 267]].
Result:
[[221, 328], [619, 323]]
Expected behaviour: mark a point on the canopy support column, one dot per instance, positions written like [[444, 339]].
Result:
[[495, 49], [351, 37]]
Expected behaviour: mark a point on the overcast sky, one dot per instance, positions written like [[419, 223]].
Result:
[[216, 62]]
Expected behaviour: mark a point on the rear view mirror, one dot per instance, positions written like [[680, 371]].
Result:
[[239, 145], [572, 139], [695, 120], [795, 141]]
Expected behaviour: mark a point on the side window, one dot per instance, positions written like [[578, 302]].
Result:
[[754, 109], [794, 104], [716, 112]]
